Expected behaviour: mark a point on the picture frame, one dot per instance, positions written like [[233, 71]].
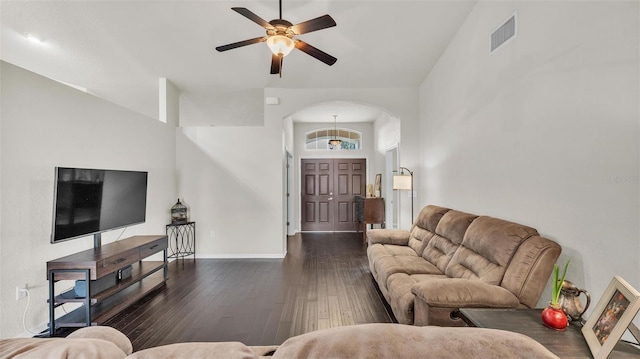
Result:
[[377, 189], [611, 317]]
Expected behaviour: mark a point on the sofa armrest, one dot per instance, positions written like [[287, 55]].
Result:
[[388, 236], [461, 293]]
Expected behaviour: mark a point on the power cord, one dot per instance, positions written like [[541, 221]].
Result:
[[121, 233], [24, 315]]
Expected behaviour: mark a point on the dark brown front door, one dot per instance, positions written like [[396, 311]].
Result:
[[329, 187]]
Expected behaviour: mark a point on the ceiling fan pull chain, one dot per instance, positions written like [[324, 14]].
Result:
[[281, 58]]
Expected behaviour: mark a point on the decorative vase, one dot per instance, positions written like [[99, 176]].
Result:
[[554, 317], [570, 303]]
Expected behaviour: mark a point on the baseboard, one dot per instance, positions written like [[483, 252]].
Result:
[[242, 256]]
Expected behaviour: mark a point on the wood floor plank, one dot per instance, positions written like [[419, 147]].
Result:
[[324, 281]]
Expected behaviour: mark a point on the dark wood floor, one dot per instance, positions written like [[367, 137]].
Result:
[[323, 282]]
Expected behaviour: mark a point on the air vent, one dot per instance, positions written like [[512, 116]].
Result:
[[503, 33]]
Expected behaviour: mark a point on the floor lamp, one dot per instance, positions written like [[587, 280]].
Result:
[[403, 181]]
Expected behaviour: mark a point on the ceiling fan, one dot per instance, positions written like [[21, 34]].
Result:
[[281, 37]]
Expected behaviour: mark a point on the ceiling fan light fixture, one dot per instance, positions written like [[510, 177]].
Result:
[[280, 45]]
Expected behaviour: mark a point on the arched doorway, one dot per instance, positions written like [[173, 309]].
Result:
[[368, 120]]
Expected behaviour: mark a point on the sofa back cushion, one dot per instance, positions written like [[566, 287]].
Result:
[[448, 236], [487, 248], [530, 269], [424, 227]]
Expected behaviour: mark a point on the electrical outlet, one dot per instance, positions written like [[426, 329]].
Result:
[[21, 292]]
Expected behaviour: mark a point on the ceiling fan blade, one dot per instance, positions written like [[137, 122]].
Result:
[[316, 24], [241, 43], [276, 64], [253, 17], [318, 54]]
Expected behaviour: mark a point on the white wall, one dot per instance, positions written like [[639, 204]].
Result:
[[231, 180], [545, 131], [47, 124]]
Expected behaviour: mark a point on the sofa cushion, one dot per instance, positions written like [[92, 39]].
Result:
[[448, 237], [424, 227], [419, 239], [394, 250], [403, 264], [487, 248], [404, 341], [212, 350], [379, 252], [460, 293], [63, 348], [429, 217]]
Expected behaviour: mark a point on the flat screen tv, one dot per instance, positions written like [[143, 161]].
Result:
[[91, 201]]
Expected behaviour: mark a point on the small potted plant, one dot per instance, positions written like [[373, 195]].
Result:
[[553, 316]]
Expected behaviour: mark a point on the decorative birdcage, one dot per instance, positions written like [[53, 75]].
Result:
[[178, 213]]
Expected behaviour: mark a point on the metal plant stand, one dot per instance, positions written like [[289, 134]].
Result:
[[182, 240]]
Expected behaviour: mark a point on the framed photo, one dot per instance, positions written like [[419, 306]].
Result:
[[377, 189], [611, 317]]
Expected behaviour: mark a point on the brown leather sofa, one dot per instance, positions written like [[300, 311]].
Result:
[[377, 340], [451, 259]]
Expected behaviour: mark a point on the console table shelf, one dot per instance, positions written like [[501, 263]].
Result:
[[95, 264]]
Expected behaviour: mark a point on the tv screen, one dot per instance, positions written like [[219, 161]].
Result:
[[90, 201]]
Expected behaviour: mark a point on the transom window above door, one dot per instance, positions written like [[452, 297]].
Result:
[[319, 139]]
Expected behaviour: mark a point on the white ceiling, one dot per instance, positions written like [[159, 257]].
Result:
[[118, 50]]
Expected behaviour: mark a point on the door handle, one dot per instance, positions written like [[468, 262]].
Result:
[[330, 198]]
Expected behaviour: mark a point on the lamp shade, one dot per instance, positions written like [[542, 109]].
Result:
[[402, 182], [280, 45]]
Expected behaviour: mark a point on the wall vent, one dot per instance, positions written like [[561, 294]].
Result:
[[503, 33]]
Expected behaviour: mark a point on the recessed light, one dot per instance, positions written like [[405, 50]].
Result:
[[33, 38]]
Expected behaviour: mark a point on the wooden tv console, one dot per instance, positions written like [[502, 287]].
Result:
[[94, 266]]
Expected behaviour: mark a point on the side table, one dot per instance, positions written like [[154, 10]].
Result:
[[182, 240], [369, 211], [566, 344]]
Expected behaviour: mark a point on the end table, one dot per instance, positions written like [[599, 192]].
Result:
[[566, 344], [182, 239]]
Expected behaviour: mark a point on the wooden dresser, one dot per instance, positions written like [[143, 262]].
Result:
[[369, 210]]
